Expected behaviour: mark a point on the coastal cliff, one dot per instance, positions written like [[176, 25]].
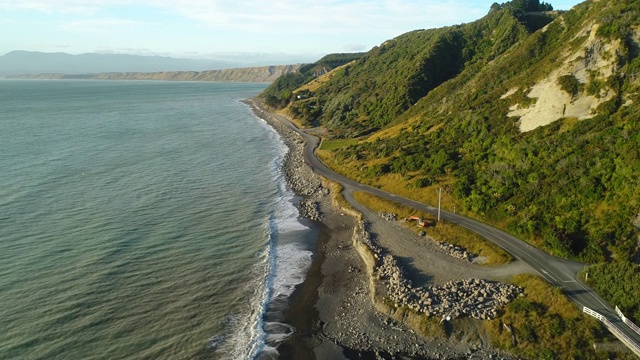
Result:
[[262, 74]]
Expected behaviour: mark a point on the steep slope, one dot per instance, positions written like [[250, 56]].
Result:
[[555, 184], [373, 91], [280, 93], [535, 132], [560, 95]]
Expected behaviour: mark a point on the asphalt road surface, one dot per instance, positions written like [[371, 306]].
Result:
[[557, 271]]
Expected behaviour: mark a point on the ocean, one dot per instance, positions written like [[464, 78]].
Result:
[[145, 220]]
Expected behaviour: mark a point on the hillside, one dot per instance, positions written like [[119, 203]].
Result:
[[526, 118], [266, 74]]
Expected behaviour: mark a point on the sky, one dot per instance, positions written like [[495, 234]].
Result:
[[212, 29]]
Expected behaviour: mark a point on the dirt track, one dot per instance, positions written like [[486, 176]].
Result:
[[424, 260]]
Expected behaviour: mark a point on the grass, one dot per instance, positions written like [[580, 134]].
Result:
[[568, 124], [343, 168], [387, 132], [286, 112], [442, 231], [403, 186], [546, 324], [473, 243], [337, 143], [435, 128], [338, 200], [551, 297], [393, 183], [397, 184], [425, 325], [314, 84]]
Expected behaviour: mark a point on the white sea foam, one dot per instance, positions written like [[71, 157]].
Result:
[[287, 260], [292, 259], [248, 336]]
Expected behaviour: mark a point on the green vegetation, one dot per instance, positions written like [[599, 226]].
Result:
[[567, 187], [431, 109], [569, 84], [619, 283], [523, 5], [336, 196], [371, 92], [337, 143], [280, 93], [424, 325], [544, 324], [563, 201], [619, 21], [441, 231]]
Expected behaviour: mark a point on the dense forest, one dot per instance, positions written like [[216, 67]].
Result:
[[434, 108]]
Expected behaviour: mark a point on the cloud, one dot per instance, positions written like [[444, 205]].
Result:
[[76, 7], [104, 25], [125, 50], [211, 25], [52, 46], [354, 47], [259, 16], [321, 17]]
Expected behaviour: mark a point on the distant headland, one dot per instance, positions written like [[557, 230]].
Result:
[[261, 74]]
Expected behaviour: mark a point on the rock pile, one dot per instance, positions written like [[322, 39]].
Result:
[[457, 252], [297, 173], [475, 298], [365, 237], [309, 208], [388, 216], [302, 180]]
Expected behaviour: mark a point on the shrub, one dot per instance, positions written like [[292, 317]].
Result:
[[422, 182], [569, 83]]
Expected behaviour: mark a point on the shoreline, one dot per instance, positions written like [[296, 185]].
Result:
[[299, 310], [333, 310]]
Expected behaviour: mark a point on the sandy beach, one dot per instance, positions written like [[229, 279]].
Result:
[[332, 310]]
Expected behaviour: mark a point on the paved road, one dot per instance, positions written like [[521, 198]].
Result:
[[557, 271]]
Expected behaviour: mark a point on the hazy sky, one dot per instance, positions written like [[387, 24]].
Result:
[[204, 28]]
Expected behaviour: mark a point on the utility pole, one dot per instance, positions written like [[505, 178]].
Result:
[[439, 202]]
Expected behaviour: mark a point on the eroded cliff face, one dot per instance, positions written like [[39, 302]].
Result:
[[262, 74], [595, 61]]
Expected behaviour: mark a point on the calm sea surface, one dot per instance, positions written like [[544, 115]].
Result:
[[140, 220]]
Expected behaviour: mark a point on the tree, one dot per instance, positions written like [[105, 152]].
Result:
[[532, 5]]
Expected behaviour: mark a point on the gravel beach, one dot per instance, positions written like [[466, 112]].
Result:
[[333, 311]]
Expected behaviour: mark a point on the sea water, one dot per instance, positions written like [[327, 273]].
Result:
[[141, 220]]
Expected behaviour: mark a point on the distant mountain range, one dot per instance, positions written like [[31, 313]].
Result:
[[262, 74], [29, 62]]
